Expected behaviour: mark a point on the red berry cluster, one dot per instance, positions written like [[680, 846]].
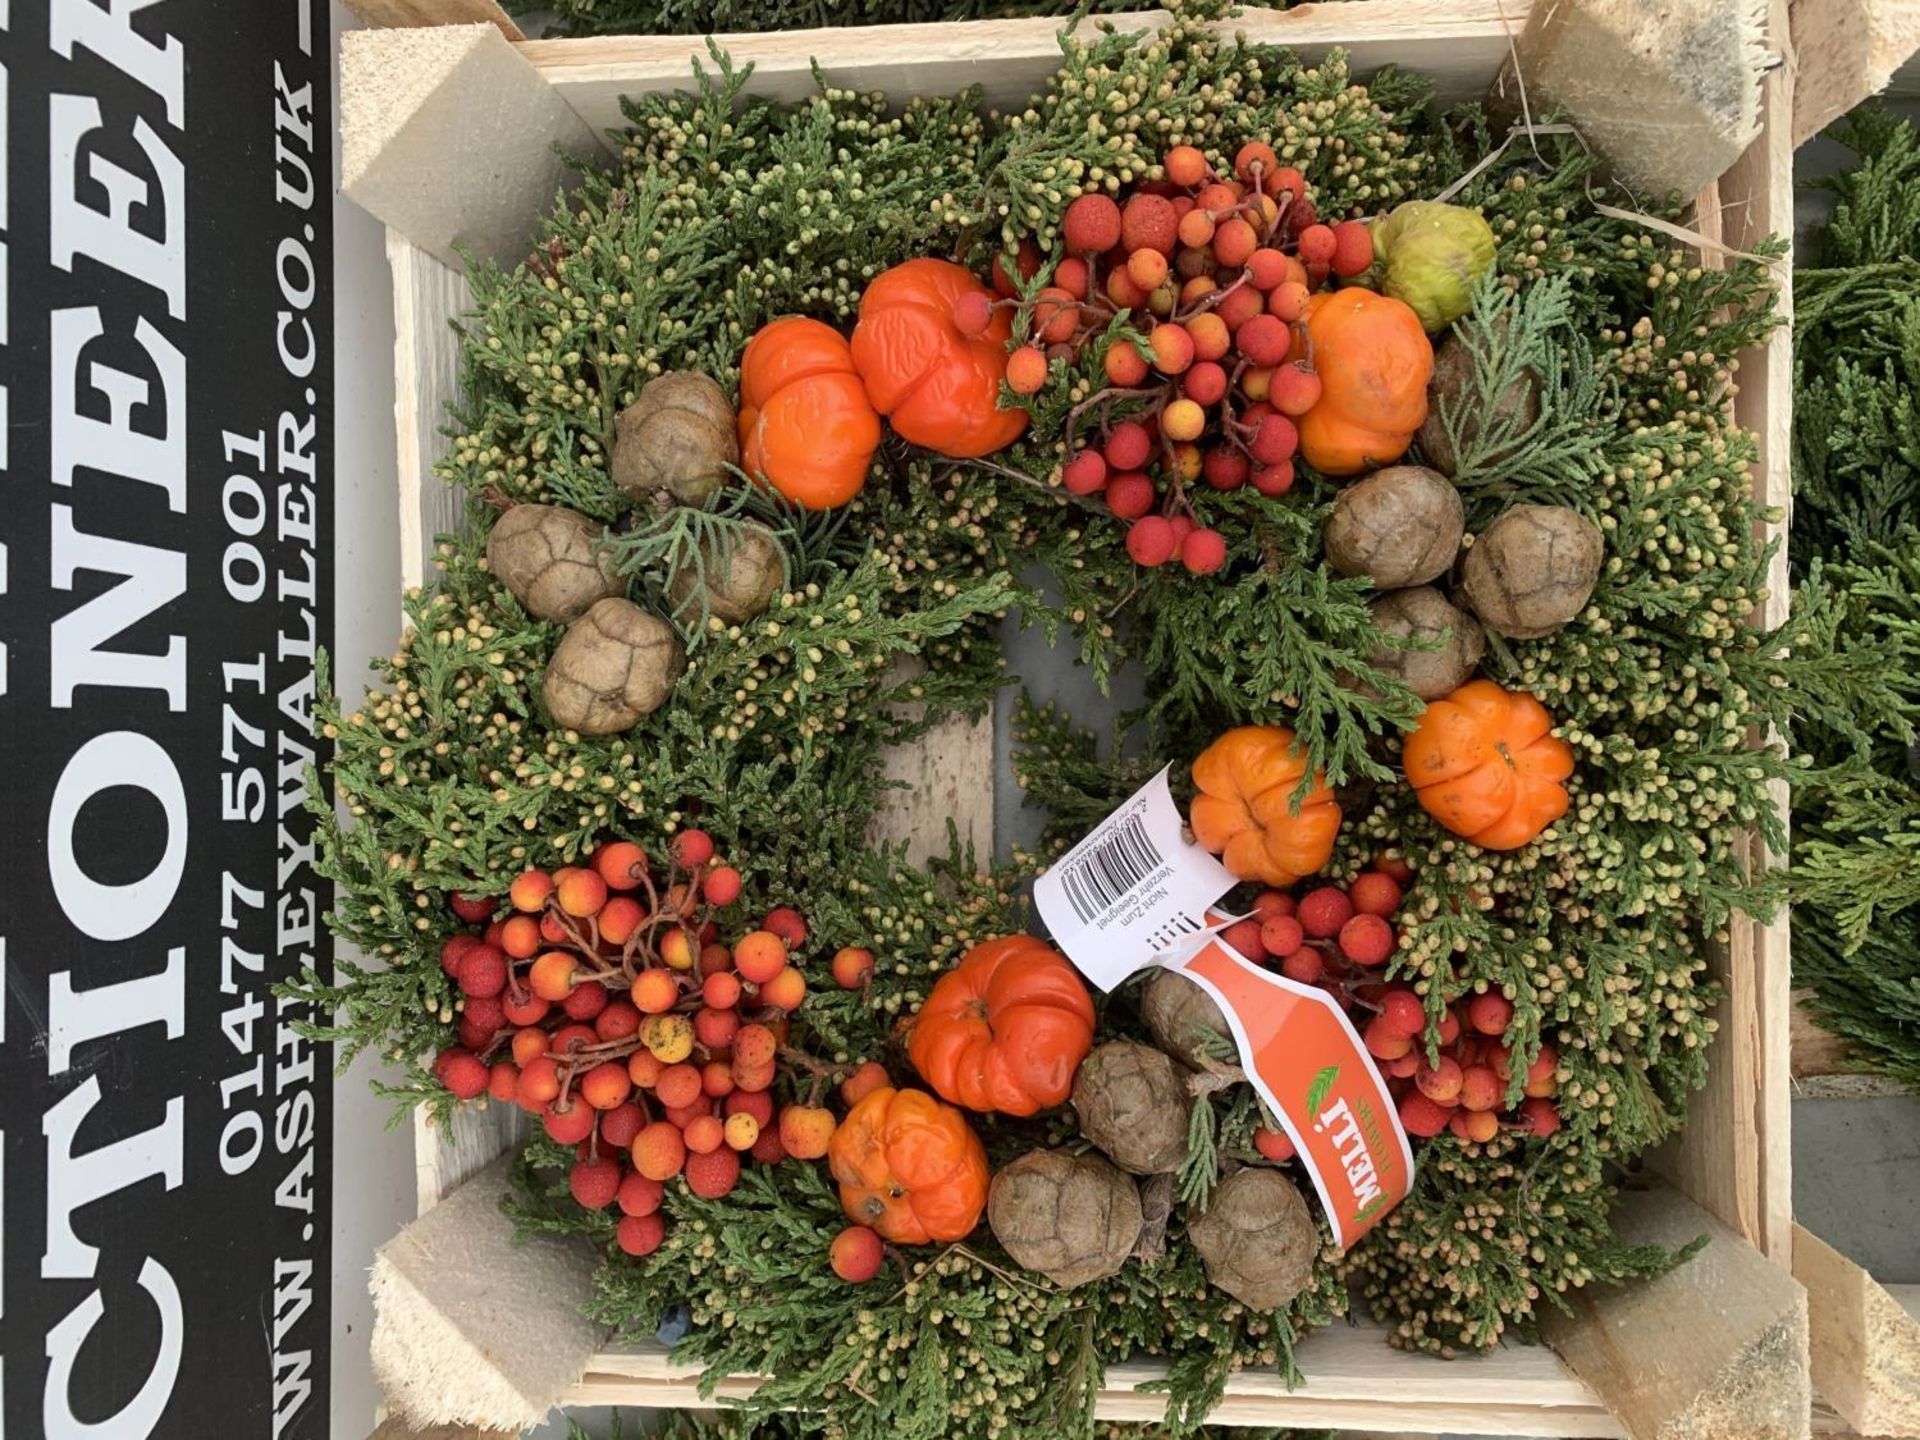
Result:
[[1336, 938], [1219, 271], [604, 1001]]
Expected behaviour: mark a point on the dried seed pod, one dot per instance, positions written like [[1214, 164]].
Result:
[[552, 560], [738, 575], [615, 665], [1074, 1218], [677, 438], [1400, 526], [1133, 1103], [1425, 615], [1185, 1022], [1257, 1238], [1452, 387], [1533, 570]]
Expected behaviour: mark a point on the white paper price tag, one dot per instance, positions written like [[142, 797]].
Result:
[[1134, 892]]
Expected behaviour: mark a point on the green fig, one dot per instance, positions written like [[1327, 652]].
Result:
[[1433, 255]]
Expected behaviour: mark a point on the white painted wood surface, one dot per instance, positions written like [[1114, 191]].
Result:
[[1733, 1160]]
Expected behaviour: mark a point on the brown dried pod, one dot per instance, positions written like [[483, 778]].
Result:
[[1425, 615], [1532, 570], [738, 575], [676, 439], [615, 665], [1073, 1218], [1257, 1238], [552, 560], [1452, 386], [1185, 1022], [1133, 1103], [1400, 526]]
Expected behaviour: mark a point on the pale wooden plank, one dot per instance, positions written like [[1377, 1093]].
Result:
[[1865, 1350], [1741, 1373], [398, 13], [452, 139], [1844, 51], [1458, 43], [428, 297], [394, 1427], [1735, 1157], [1353, 1379]]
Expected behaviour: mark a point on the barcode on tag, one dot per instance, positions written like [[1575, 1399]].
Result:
[[1130, 889], [1096, 881]]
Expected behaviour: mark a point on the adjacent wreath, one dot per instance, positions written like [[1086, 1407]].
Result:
[[1424, 529]]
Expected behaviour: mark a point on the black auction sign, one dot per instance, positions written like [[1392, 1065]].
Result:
[[165, 576]]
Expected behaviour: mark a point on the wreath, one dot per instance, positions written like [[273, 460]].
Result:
[[789, 411]]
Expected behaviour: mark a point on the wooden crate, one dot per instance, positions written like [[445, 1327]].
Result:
[[449, 136]]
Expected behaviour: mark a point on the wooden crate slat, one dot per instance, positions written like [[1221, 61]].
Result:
[[1457, 44], [1865, 1340], [1846, 50]]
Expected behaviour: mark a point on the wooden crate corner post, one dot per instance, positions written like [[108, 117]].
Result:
[[472, 1328], [449, 136]]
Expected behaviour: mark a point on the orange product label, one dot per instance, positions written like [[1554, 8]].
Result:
[[1310, 1067]]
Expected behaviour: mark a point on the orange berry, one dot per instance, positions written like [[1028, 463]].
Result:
[[716, 1079], [1240, 306], [785, 990], [1288, 301], [1056, 315], [1196, 229], [754, 1046], [752, 1079], [1477, 1126], [654, 992], [582, 893], [715, 1029], [621, 864], [1211, 339], [1254, 161], [871, 1076], [1543, 1080], [1122, 291], [1026, 370], [530, 891], [722, 884], [1480, 1088], [539, 1083], [605, 1086], [759, 955], [1091, 224], [659, 1152], [520, 937], [704, 1134], [529, 1044], [1286, 178], [679, 1084], [677, 949], [503, 1081], [640, 1196], [856, 1254], [1185, 165], [805, 1130], [1256, 384], [1147, 268], [643, 1068], [1234, 242], [712, 1175], [669, 1037], [750, 1102], [1172, 348], [1316, 244], [619, 918], [1124, 363], [721, 991], [852, 967], [1352, 249], [1294, 391], [551, 977], [740, 1131], [1183, 420], [1219, 197], [1275, 1145], [1196, 290]]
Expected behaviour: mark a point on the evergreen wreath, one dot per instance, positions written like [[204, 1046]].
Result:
[[723, 211]]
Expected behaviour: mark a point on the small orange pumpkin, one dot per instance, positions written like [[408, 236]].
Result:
[[1005, 1029], [939, 388], [1374, 361], [1484, 765], [805, 423], [910, 1167], [1245, 814]]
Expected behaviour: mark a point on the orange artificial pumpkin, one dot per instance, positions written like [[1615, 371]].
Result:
[[940, 388], [1245, 811], [1374, 361], [805, 424], [1484, 765], [910, 1167], [1005, 1029]]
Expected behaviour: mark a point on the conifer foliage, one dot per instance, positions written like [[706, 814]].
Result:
[[1856, 545]]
